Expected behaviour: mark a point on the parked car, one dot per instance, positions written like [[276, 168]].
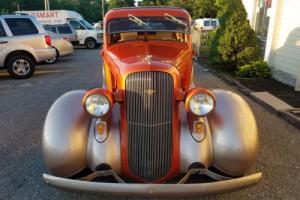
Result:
[[65, 31], [207, 23], [86, 33], [62, 46], [23, 43], [148, 125]]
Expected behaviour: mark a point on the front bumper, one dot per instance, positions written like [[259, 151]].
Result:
[[153, 189]]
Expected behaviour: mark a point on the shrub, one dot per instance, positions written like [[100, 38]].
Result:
[[247, 55], [238, 44], [197, 8], [234, 44], [256, 69]]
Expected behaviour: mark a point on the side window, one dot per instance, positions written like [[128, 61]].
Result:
[[21, 26], [76, 25], [64, 29], [206, 23], [2, 31], [214, 23], [51, 29]]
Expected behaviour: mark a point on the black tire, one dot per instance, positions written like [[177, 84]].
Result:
[[53, 60], [90, 43], [13, 66]]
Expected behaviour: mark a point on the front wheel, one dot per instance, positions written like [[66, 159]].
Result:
[[20, 66], [90, 43]]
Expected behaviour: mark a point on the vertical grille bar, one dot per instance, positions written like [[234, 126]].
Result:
[[149, 103]]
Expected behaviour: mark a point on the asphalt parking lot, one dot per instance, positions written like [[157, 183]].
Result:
[[24, 104]]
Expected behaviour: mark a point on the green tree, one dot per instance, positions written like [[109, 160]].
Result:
[[186, 4], [204, 9], [197, 8], [238, 44], [90, 9], [120, 3], [154, 2], [234, 43]]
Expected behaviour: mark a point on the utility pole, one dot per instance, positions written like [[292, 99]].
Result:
[[103, 9], [47, 4]]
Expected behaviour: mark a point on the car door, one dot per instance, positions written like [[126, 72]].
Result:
[[4, 46], [80, 30]]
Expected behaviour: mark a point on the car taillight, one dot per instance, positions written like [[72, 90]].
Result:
[[48, 40]]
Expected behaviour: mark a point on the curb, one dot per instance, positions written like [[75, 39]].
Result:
[[292, 119], [286, 115]]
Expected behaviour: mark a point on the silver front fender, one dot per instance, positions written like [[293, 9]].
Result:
[[234, 134], [69, 145], [65, 135]]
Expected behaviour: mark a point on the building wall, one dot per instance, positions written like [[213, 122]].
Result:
[[250, 6], [283, 42], [282, 50]]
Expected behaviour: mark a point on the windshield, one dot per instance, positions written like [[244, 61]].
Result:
[[167, 23], [86, 24]]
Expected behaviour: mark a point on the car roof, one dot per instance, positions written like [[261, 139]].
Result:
[[17, 16], [146, 11]]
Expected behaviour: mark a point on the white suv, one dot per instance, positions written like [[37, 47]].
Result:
[[23, 43]]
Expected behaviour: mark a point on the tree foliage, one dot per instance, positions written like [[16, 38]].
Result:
[[186, 4], [234, 43], [154, 2], [204, 9], [120, 3], [197, 8], [238, 43], [256, 69]]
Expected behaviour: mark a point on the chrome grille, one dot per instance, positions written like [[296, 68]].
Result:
[[149, 104]]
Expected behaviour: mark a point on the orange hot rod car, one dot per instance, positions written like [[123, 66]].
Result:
[[148, 131]]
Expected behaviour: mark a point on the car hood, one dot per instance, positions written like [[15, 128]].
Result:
[[146, 53]]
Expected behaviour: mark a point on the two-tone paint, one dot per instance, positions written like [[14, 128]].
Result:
[[228, 140]]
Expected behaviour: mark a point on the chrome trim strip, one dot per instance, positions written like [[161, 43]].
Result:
[[153, 189]]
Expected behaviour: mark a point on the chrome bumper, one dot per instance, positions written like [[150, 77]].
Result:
[[153, 189]]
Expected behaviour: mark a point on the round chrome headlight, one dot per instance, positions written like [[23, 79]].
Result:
[[97, 105], [201, 104]]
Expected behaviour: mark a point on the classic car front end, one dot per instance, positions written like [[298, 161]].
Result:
[[148, 131]]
